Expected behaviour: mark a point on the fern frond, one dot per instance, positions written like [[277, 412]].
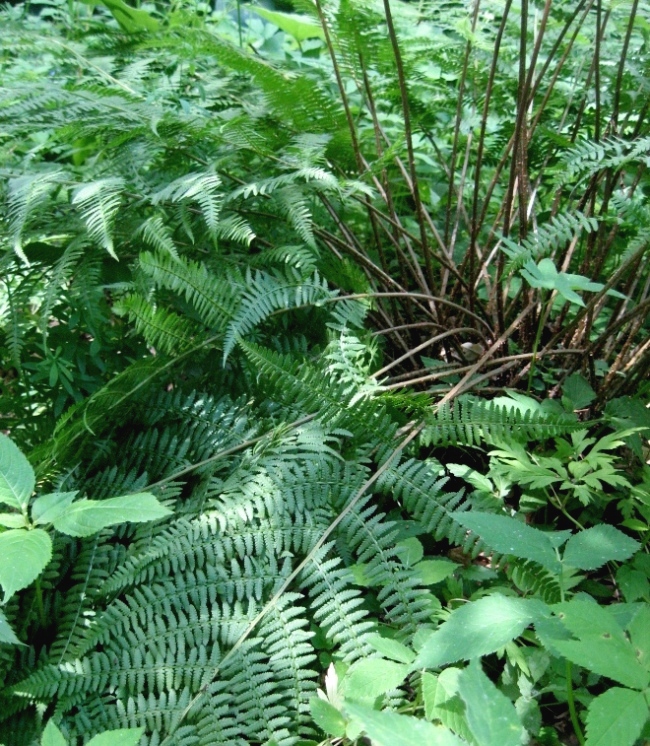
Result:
[[195, 187], [162, 329], [469, 421], [416, 485], [99, 202], [156, 234], [266, 294], [215, 299], [559, 231], [26, 195]]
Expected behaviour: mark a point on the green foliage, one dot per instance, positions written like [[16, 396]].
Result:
[[275, 283]]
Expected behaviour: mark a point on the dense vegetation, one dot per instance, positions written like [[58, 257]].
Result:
[[324, 342]]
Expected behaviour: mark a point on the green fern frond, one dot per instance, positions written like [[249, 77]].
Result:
[[155, 233], [99, 202], [26, 195], [559, 231], [215, 299], [201, 188], [266, 294], [471, 421], [416, 485], [162, 329]]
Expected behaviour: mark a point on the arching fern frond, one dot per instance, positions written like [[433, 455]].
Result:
[[99, 202], [26, 195], [471, 421], [266, 294]]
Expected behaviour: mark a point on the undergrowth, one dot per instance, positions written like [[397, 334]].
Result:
[[355, 300]]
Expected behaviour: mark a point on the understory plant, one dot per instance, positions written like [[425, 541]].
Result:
[[349, 306]]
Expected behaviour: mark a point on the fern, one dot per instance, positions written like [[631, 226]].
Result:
[[471, 421], [100, 201], [26, 195], [266, 294]]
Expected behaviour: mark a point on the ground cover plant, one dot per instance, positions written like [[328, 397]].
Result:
[[325, 333]]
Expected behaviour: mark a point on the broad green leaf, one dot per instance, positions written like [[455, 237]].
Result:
[[131, 19], [7, 635], [431, 572], [410, 550], [121, 737], [16, 475], [13, 520], [607, 656], [392, 649], [327, 717], [545, 275], [46, 508], [509, 536], [592, 548], [52, 736], [616, 718], [87, 517], [391, 729], [471, 476], [603, 647], [585, 618], [634, 584], [368, 678], [578, 391], [300, 27], [478, 628], [24, 556], [491, 716], [639, 631], [442, 701]]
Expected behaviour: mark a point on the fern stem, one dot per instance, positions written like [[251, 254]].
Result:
[[292, 576], [227, 452], [401, 78], [572, 705], [538, 336]]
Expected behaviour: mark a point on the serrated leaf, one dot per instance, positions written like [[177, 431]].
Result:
[[578, 391], [609, 657], [87, 517], [46, 508], [121, 737], [639, 631], [442, 702], [585, 619], [7, 635], [471, 476], [327, 717], [391, 649], [16, 475], [491, 716], [391, 729], [24, 556], [509, 536], [13, 520], [368, 678], [592, 548], [52, 736], [478, 628], [616, 718]]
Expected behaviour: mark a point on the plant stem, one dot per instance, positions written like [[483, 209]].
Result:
[[39, 601], [572, 705], [538, 336]]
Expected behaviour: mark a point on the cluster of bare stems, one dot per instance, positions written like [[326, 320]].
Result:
[[432, 304]]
